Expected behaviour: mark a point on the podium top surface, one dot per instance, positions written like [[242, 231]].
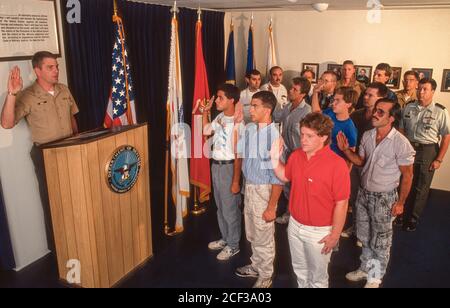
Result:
[[89, 136]]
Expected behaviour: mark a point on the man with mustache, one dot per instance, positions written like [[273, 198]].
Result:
[[275, 86], [385, 155]]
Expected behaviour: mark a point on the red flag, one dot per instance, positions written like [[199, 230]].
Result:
[[200, 170]]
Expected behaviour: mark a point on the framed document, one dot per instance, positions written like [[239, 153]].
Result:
[[26, 27]]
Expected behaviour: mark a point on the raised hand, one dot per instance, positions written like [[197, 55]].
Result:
[[277, 150], [238, 113], [15, 82], [318, 87], [342, 142]]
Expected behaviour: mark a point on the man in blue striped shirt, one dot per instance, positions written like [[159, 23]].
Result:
[[262, 188]]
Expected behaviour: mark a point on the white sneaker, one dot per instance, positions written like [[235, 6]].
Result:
[[247, 271], [217, 245], [372, 285], [357, 275], [263, 283], [283, 219], [227, 253], [347, 232]]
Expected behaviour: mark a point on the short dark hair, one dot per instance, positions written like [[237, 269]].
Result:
[[349, 94], [274, 68], [381, 87], [329, 72], [384, 67], [304, 84], [395, 111], [267, 98], [348, 62], [252, 72], [431, 81], [322, 124], [39, 56], [412, 73], [231, 91], [308, 70]]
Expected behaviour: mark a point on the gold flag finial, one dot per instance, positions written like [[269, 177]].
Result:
[[199, 13], [115, 7], [174, 9]]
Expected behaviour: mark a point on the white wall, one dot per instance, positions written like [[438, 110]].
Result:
[[20, 186], [405, 38]]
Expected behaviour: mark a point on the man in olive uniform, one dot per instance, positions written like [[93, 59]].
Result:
[[49, 110], [409, 92], [425, 123]]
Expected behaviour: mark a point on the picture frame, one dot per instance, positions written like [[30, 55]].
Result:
[[364, 74], [337, 68], [424, 72], [26, 27], [445, 85], [314, 67], [396, 77]]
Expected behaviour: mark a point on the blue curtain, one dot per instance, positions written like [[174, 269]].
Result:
[[147, 29], [6, 253]]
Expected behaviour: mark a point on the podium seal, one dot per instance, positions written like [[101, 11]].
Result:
[[123, 169]]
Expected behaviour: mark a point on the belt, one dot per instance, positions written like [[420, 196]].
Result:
[[223, 162], [417, 145]]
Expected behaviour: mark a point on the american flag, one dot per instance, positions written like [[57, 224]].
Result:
[[120, 110]]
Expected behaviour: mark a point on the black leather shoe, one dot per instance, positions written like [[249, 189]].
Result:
[[398, 222], [411, 227]]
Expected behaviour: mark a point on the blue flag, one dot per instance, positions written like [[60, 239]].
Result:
[[251, 63], [230, 70]]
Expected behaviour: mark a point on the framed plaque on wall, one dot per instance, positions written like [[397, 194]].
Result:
[[26, 27]]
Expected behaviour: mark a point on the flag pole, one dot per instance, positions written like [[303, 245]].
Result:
[[197, 210], [166, 181]]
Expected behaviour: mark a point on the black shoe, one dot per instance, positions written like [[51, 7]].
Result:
[[398, 222], [411, 226]]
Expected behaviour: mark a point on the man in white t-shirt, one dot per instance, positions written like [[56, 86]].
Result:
[[275, 86], [225, 170], [253, 80]]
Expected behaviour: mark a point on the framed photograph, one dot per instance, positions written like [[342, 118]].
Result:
[[28, 26], [445, 87], [337, 68], [394, 81], [424, 72], [313, 67], [364, 74]]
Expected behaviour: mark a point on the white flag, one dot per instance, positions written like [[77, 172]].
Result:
[[178, 132]]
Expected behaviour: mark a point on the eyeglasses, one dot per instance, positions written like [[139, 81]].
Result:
[[379, 112]]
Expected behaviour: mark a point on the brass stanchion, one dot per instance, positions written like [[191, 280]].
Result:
[[197, 209]]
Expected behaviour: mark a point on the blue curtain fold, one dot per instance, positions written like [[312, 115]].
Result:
[[88, 47]]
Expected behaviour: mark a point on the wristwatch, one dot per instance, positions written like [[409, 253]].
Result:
[[11, 93], [440, 161]]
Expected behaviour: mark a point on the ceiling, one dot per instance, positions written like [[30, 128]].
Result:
[[301, 5]]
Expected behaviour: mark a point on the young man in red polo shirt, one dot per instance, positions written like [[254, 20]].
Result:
[[320, 189]]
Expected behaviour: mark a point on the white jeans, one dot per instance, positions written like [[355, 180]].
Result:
[[260, 234], [310, 265]]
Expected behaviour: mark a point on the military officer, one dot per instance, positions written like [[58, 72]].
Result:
[[427, 126]]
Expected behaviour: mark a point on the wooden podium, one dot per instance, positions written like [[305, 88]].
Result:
[[109, 233]]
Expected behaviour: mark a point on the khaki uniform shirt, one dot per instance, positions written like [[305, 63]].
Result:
[[356, 85], [48, 116], [404, 99]]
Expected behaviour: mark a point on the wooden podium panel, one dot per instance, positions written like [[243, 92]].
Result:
[[109, 233]]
